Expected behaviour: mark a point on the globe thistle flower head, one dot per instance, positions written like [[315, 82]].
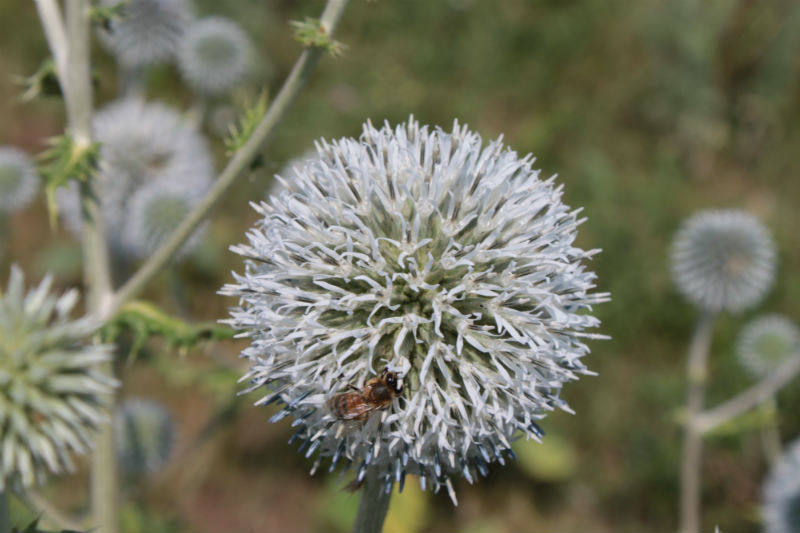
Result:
[[146, 31], [423, 255], [767, 342], [145, 436], [723, 260], [214, 55], [141, 143], [51, 398], [781, 493], [155, 211], [18, 179]]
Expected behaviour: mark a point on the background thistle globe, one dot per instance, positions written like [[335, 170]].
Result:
[[145, 436], [18, 179], [141, 144], [146, 31], [424, 252], [781, 493], [155, 211], [723, 260], [767, 342], [51, 398], [214, 55]]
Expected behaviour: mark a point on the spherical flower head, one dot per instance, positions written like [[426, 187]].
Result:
[[214, 55], [145, 436], [781, 493], [18, 179], [766, 343], [146, 31], [723, 260], [51, 398], [155, 211], [415, 301], [141, 143]]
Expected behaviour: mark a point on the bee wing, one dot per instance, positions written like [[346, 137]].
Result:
[[358, 411]]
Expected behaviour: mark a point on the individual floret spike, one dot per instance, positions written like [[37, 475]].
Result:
[[415, 301], [51, 395]]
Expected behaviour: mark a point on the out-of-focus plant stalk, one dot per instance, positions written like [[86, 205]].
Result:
[[750, 398], [56, 36], [237, 165], [373, 506], [97, 276], [696, 377], [51, 516]]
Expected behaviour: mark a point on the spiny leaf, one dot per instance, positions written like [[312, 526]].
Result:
[[241, 132], [146, 320], [63, 161], [310, 32], [42, 82], [104, 15]]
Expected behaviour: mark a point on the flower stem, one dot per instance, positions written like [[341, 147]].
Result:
[[237, 165], [744, 401], [5, 516], [373, 506], [696, 375]]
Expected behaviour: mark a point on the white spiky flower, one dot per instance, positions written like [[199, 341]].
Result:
[[146, 31], [723, 260], [214, 55], [51, 396], [781, 493], [142, 144], [19, 182], [145, 436], [420, 252], [767, 342]]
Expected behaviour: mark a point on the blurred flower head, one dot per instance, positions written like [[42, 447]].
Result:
[[51, 398], [155, 211], [424, 256], [146, 31], [781, 493], [723, 260], [145, 436], [142, 144], [214, 55], [18, 179], [767, 342]]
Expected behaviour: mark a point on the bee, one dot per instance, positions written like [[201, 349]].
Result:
[[358, 404]]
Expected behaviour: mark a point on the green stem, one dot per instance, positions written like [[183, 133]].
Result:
[[373, 506], [236, 167], [696, 375], [5, 515], [770, 434]]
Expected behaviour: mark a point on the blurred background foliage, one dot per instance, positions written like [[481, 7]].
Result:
[[647, 110]]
